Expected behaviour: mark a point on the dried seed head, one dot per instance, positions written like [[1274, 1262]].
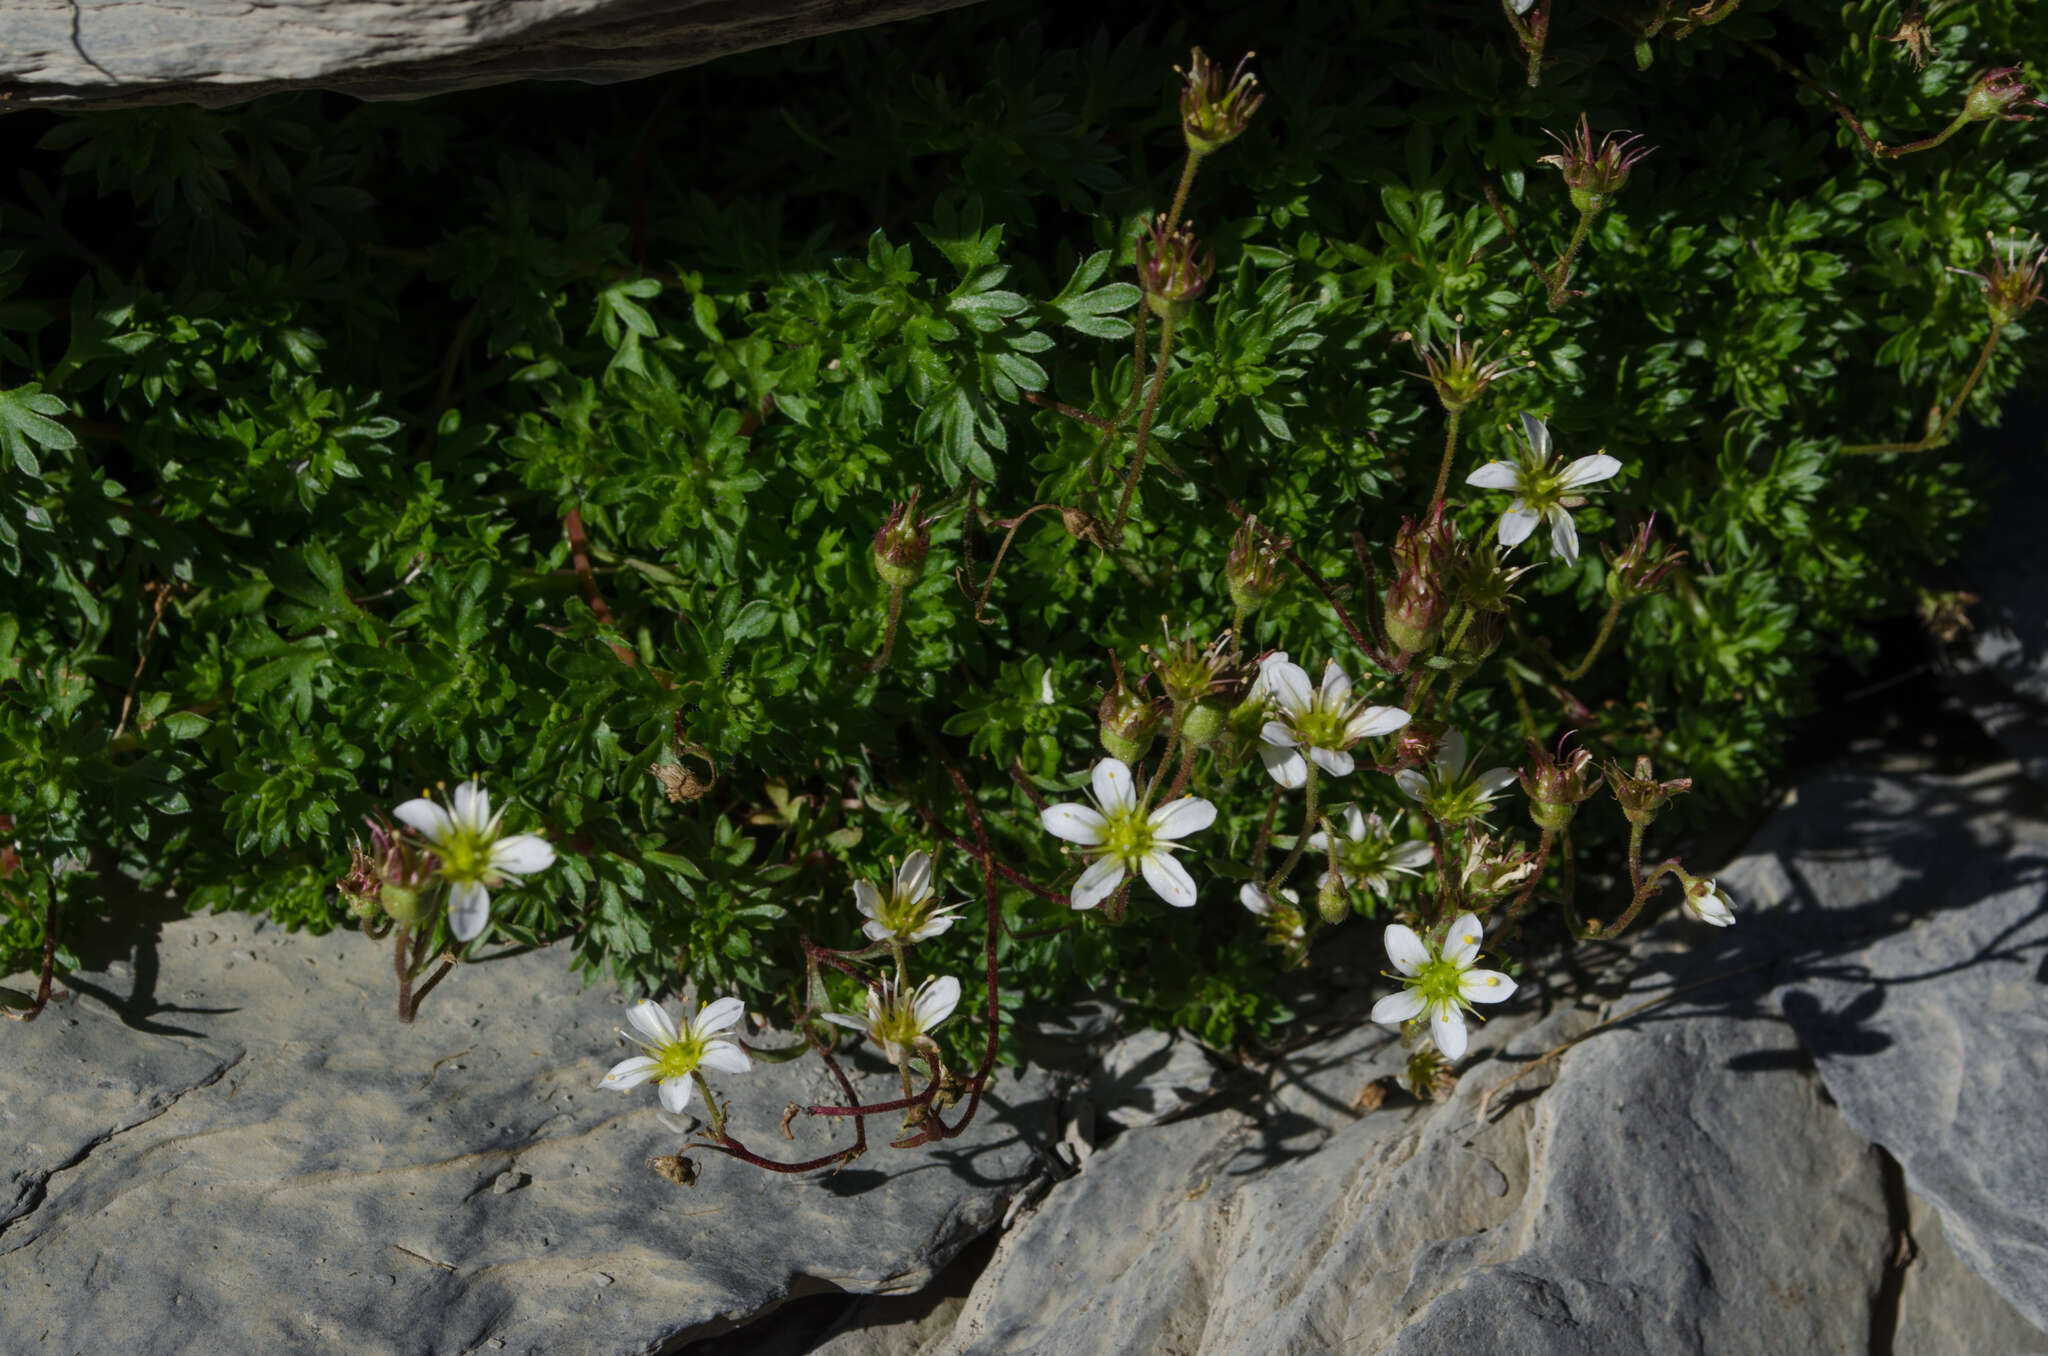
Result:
[[1214, 111]]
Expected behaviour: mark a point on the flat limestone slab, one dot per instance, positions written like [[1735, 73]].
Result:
[[132, 53], [243, 1151]]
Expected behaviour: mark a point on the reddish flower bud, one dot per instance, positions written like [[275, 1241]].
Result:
[[1999, 94], [1555, 784], [1170, 273], [902, 544], [2012, 281], [1639, 570], [1595, 174], [1642, 796]]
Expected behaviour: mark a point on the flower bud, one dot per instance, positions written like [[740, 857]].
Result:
[[1638, 571], [1595, 174], [1170, 274], [1417, 741], [1331, 901], [1705, 901], [1425, 553], [1642, 796], [1555, 784], [902, 545], [1128, 720], [1202, 723], [1252, 570], [1213, 111], [1997, 94], [1188, 672], [392, 876], [1491, 869]]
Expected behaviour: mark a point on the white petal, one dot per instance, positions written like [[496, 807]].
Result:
[[1114, 789], [718, 1015], [1375, 721], [652, 1022], [1495, 780], [846, 1019], [1354, 824], [1405, 949], [675, 1095], [1336, 684], [1447, 1029], [867, 899], [1252, 897], [1276, 734], [1288, 767], [1463, 942], [934, 925], [1588, 471], [1486, 986], [1097, 883], [1412, 783], [936, 999], [1319, 841], [725, 1057], [1450, 755], [1538, 434], [469, 910], [1517, 523], [1397, 1008], [1177, 819], [1497, 475], [914, 877], [1563, 536], [1333, 761], [1076, 823], [1290, 687], [425, 818], [877, 932], [629, 1074], [472, 807], [1410, 856], [522, 853], [1169, 879]]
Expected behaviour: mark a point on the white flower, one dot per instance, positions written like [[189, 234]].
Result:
[[1708, 902], [906, 912], [1366, 854], [1440, 983], [673, 1055], [1320, 722], [1492, 868], [1285, 923], [897, 1020], [1449, 789], [475, 859], [1122, 838], [1543, 489]]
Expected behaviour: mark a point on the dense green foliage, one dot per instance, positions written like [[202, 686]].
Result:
[[300, 404]]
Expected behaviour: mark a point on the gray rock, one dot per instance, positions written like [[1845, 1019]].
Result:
[[130, 53], [271, 1163], [1915, 939], [1699, 1177], [1150, 1075]]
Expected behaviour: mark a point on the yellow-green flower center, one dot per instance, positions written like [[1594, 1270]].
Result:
[[1321, 728], [1438, 983], [1128, 837], [898, 1023], [464, 856], [678, 1058]]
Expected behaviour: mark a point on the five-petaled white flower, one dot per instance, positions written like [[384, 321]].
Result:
[[906, 912], [1366, 854], [673, 1054], [896, 1020], [1440, 983], [1322, 723], [1449, 788], [1543, 488], [475, 859], [1708, 902], [1123, 838]]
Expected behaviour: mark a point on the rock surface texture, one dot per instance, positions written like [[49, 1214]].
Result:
[[1825, 1138], [129, 53], [225, 1143]]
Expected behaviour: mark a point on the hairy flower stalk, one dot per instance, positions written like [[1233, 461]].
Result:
[[1460, 379], [1123, 839], [899, 551], [1172, 276], [1215, 109], [1593, 175], [1439, 983], [1544, 487]]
